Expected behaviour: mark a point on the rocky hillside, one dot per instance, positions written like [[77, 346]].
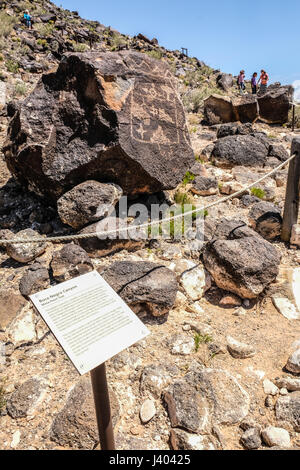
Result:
[[220, 369]]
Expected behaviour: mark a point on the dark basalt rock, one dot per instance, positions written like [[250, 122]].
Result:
[[242, 150], [274, 105], [109, 117], [240, 260], [144, 284]]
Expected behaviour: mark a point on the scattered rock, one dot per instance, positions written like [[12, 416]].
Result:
[[27, 251], [186, 407], [75, 425], [279, 152], [143, 285], [11, 305], [285, 307], [288, 409], [147, 411], [230, 301], [195, 281], [156, 377], [228, 401], [251, 439], [34, 280], [182, 440], [25, 400], [204, 398], [295, 237], [87, 203], [22, 330], [290, 383], [239, 350], [182, 345], [293, 364], [98, 246], [204, 186], [270, 388], [276, 437], [266, 219], [69, 262], [243, 264]]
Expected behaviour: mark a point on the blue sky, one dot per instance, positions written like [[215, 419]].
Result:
[[226, 34]]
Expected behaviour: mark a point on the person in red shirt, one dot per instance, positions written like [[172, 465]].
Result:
[[264, 78]]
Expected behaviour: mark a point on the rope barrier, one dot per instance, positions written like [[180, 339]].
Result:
[[129, 229]]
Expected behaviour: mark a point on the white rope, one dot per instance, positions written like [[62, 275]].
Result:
[[83, 236]]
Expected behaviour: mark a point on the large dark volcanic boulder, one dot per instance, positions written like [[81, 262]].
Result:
[[242, 150], [218, 109], [109, 117], [274, 105], [245, 108]]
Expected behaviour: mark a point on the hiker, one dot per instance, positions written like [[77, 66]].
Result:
[[254, 83], [241, 81], [264, 78], [27, 19]]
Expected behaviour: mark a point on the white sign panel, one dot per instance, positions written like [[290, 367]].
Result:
[[90, 321]]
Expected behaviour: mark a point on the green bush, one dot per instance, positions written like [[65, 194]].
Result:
[[80, 47], [188, 178], [20, 89], [45, 30], [201, 339], [116, 41], [258, 192], [155, 54], [12, 66]]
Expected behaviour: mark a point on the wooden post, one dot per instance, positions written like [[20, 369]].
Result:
[[291, 207], [293, 125]]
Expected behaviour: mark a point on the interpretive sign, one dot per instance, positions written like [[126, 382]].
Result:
[[89, 320]]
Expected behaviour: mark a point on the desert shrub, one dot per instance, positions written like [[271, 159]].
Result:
[[12, 66], [155, 54], [80, 47], [258, 192], [116, 41], [20, 89], [6, 24], [188, 178], [201, 339], [193, 100], [45, 30]]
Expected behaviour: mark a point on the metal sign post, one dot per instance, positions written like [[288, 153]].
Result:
[[103, 409]]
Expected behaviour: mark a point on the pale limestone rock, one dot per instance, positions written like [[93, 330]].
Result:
[[276, 437], [240, 350], [270, 388], [147, 411], [286, 308]]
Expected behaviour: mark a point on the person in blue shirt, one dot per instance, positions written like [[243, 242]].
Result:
[[27, 19]]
